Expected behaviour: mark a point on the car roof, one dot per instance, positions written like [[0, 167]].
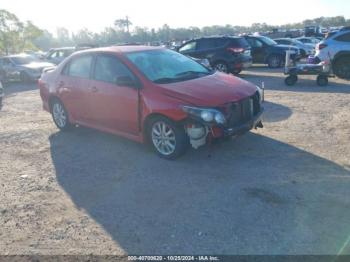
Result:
[[18, 55], [121, 49]]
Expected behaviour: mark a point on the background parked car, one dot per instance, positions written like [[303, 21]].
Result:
[[57, 55], [305, 49], [266, 51], [336, 46], [22, 67], [308, 40], [226, 54], [315, 31]]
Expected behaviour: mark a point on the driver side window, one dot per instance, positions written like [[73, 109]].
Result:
[[108, 69]]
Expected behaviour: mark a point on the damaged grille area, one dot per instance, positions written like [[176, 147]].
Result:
[[243, 111]]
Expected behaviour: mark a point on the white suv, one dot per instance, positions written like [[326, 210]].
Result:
[[336, 47]]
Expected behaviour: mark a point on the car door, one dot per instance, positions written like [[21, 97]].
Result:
[[342, 43], [257, 50], [74, 88], [115, 104], [208, 48]]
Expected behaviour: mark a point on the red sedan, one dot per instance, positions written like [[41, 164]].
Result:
[[150, 95]]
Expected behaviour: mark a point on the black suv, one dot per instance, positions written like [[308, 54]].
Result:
[[226, 54], [266, 51]]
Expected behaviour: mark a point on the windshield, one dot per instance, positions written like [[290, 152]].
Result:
[[267, 40], [22, 60], [166, 66]]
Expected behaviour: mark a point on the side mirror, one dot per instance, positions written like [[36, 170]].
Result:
[[126, 81]]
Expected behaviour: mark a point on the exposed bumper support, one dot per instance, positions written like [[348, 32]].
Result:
[[253, 123]]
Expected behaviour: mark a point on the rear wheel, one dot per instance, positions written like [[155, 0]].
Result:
[[274, 61], [291, 80], [167, 139], [60, 115], [221, 66], [341, 67], [322, 80], [236, 71]]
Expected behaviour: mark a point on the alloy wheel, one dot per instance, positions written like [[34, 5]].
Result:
[[163, 138], [221, 67], [59, 115]]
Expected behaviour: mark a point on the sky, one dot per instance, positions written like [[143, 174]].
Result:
[[95, 15]]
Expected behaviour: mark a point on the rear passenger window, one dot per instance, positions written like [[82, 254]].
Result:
[[188, 47], [254, 42], [343, 38], [109, 68], [80, 66], [207, 44]]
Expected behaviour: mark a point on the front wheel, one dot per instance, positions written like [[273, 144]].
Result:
[[60, 115], [167, 139]]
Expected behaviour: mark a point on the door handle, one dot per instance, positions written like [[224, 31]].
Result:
[[94, 89]]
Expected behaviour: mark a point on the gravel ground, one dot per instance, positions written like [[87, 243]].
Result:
[[284, 189]]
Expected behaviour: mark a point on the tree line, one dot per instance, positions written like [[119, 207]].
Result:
[[17, 36]]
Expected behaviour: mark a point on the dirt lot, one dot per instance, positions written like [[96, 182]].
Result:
[[284, 189]]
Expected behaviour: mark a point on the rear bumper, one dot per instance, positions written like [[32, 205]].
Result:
[[241, 129]]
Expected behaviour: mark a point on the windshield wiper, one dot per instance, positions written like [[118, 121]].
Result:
[[192, 73], [165, 80]]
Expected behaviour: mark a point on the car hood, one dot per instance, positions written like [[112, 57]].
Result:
[[38, 65], [209, 91]]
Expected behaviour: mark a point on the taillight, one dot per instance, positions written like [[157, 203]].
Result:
[[321, 46], [235, 49]]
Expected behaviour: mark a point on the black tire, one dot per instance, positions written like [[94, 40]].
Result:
[[303, 53], [291, 80], [180, 137], [236, 71], [221, 66], [341, 67], [25, 78], [274, 61], [65, 125], [322, 80]]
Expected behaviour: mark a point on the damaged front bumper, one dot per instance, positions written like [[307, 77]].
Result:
[[202, 132], [255, 122]]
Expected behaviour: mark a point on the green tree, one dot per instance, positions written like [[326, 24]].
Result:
[[10, 29]]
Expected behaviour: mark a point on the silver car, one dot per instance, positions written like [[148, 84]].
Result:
[[305, 49], [336, 48], [22, 67]]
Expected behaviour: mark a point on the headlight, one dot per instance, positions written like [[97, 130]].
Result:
[[206, 114]]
